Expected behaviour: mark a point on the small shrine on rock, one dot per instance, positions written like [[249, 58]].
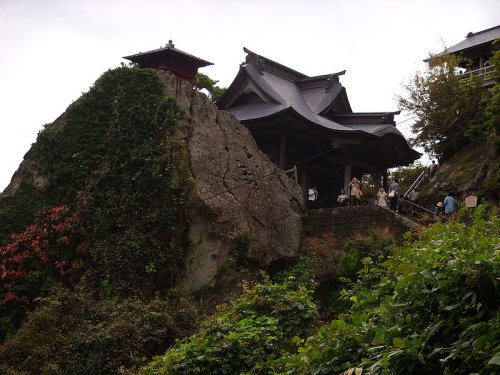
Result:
[[182, 64]]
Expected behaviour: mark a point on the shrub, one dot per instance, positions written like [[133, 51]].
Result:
[[73, 333], [49, 251], [431, 309], [246, 337]]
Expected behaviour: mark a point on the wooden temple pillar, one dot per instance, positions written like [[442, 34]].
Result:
[[304, 174], [347, 178], [377, 181], [385, 180]]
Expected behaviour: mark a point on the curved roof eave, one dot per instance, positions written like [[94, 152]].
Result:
[[390, 131], [243, 76], [324, 124]]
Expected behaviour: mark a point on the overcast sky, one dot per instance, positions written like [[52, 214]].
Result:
[[53, 50]]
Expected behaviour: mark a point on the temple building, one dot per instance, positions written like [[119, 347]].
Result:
[[307, 124], [182, 64], [474, 52]]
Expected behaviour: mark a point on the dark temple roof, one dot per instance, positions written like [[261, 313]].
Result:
[[475, 40], [265, 89]]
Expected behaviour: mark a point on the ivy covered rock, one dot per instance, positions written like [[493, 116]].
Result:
[[159, 188]]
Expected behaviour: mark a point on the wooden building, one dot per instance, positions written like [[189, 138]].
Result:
[[307, 123], [182, 64], [474, 51]]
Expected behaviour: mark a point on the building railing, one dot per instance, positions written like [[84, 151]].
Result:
[[292, 173], [485, 73]]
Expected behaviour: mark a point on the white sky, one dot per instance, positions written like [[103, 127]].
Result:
[[53, 50]]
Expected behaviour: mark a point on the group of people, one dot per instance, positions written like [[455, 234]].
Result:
[[444, 209], [390, 199], [356, 194], [354, 198], [392, 196]]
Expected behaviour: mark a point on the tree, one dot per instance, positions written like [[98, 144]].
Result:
[[449, 108], [205, 82]]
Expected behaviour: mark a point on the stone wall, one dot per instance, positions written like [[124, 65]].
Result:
[[348, 222]]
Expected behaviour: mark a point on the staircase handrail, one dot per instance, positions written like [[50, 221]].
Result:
[[415, 184], [420, 208]]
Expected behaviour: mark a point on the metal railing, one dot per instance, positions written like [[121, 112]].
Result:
[[418, 210], [415, 184]]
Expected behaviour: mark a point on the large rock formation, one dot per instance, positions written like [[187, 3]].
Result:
[[239, 202], [238, 193]]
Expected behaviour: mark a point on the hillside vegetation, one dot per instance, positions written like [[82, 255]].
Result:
[[430, 307], [95, 236], [108, 216]]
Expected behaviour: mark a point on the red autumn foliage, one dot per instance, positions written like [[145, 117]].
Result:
[[52, 246]]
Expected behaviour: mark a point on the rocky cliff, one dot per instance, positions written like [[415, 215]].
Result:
[[235, 195], [238, 193], [473, 171]]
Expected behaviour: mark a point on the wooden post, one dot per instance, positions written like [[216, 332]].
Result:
[[282, 150], [304, 181], [385, 178], [347, 178], [377, 181]]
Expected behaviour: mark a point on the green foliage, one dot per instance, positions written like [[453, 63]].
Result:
[[50, 251], [492, 105], [74, 333], [113, 149], [430, 308], [407, 175], [361, 250], [240, 250], [246, 337], [449, 109], [112, 159], [205, 82], [18, 210]]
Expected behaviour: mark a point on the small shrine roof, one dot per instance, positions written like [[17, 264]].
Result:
[[167, 51]]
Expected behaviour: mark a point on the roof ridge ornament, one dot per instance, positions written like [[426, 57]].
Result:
[[170, 44], [333, 78]]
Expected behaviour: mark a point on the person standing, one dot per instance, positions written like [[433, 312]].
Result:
[[413, 199], [393, 195], [433, 168], [355, 197], [342, 200], [414, 194], [382, 198], [438, 212], [449, 205], [312, 197]]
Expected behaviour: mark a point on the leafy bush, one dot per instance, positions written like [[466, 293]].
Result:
[[49, 251], [372, 246], [246, 337], [73, 333], [433, 309]]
